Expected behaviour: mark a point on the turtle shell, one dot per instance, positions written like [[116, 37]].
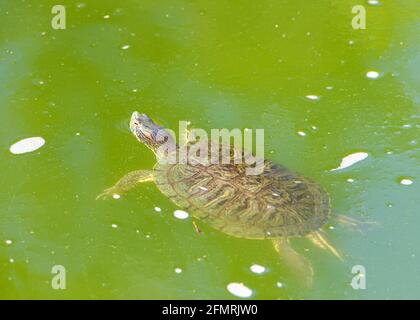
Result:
[[273, 204]]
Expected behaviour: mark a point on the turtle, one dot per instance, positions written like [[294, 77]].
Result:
[[275, 205]]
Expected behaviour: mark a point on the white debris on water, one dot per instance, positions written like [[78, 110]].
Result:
[[257, 268], [8, 242], [114, 226], [157, 209], [116, 196], [27, 145], [350, 180], [406, 181], [178, 270], [374, 2], [280, 284], [351, 159], [372, 74], [301, 133], [107, 16], [239, 290], [181, 214], [125, 47], [312, 97]]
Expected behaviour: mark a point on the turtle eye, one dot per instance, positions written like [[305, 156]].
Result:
[[136, 122]]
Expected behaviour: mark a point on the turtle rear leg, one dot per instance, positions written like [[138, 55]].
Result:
[[353, 223], [321, 240], [297, 262], [127, 182]]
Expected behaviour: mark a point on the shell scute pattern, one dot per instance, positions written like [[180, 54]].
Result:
[[276, 203]]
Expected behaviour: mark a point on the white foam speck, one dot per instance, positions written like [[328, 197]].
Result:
[[107, 16], [257, 268], [8, 242], [280, 284], [27, 145], [329, 87], [114, 225], [372, 74], [239, 290], [11, 260], [116, 196], [351, 159], [157, 209], [350, 180], [301, 133], [312, 97], [406, 181], [125, 47], [374, 2], [181, 214], [178, 270]]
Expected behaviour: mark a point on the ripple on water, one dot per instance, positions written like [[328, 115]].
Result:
[[372, 74], [351, 159], [312, 97], [258, 269], [406, 181], [181, 214], [239, 290], [27, 145]]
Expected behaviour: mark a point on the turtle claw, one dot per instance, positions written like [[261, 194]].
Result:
[[108, 193]]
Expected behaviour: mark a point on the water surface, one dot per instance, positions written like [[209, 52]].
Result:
[[295, 68]]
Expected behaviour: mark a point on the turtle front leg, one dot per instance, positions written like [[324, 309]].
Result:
[[197, 228], [127, 182]]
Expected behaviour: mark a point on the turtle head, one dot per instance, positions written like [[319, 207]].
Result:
[[151, 134]]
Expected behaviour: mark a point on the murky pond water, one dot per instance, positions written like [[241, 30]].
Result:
[[321, 90]]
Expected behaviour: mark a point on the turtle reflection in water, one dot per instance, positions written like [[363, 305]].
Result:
[[277, 204]]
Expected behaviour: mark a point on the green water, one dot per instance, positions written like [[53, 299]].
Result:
[[235, 64]]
